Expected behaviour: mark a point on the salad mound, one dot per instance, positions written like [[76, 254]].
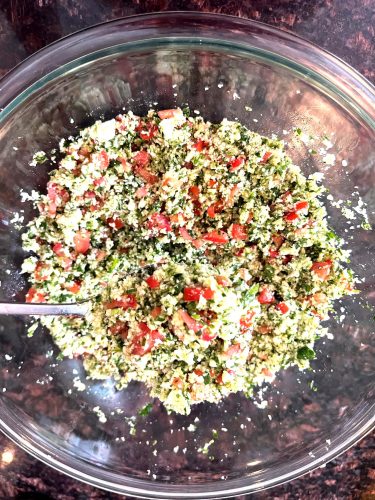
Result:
[[205, 253]]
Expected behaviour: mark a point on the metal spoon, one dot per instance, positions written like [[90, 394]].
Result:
[[29, 309]]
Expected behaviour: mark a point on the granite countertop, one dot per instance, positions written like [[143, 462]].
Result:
[[344, 27]]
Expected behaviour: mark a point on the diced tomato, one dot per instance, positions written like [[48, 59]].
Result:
[[156, 311], [147, 130], [119, 328], [212, 183], [115, 223], [100, 255], [207, 336], [236, 163], [200, 145], [232, 195], [67, 263], [153, 282], [273, 254], [197, 243], [57, 194], [219, 378], [170, 113], [197, 211], [264, 329], [145, 341], [59, 250], [34, 296], [239, 232], [266, 296], [282, 307], [278, 240], [232, 350], [194, 192], [267, 372], [142, 158], [247, 321], [99, 182], [322, 269], [198, 372], [177, 218], [141, 192], [291, 216], [125, 165], [38, 273], [301, 205], [193, 294], [184, 233], [146, 174], [191, 323], [178, 383], [102, 159], [216, 237], [82, 241], [239, 252], [159, 222], [75, 288], [127, 301], [267, 155], [223, 280], [215, 208]]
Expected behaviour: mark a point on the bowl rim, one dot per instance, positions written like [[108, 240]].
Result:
[[26, 77]]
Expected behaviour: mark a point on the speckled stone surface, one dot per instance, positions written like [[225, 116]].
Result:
[[344, 27]]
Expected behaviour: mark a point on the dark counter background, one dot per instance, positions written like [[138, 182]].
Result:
[[344, 27]]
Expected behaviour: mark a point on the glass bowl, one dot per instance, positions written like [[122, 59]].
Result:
[[220, 66]]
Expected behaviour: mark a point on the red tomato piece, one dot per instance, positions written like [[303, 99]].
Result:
[[193, 294], [38, 273], [57, 194], [115, 223], [197, 243], [267, 155], [141, 192], [200, 145], [156, 311], [322, 269], [207, 336], [273, 254], [178, 383], [145, 341], [278, 240], [102, 159], [301, 205], [247, 321], [119, 328], [142, 158], [236, 163], [232, 195], [99, 181], [223, 281], [153, 282], [75, 288], [82, 241], [170, 113], [159, 222], [215, 208], [127, 301], [147, 130], [232, 350], [291, 216], [184, 233], [34, 296], [146, 175], [282, 307], [239, 232], [216, 237], [194, 192], [190, 322], [212, 183], [266, 296], [59, 250]]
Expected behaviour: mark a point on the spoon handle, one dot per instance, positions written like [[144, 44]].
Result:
[[31, 308]]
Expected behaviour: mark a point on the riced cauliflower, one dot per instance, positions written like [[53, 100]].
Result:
[[205, 252]]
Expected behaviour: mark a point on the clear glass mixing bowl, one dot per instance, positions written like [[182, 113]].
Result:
[[217, 65]]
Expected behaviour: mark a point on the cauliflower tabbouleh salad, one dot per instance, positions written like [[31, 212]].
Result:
[[205, 252]]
